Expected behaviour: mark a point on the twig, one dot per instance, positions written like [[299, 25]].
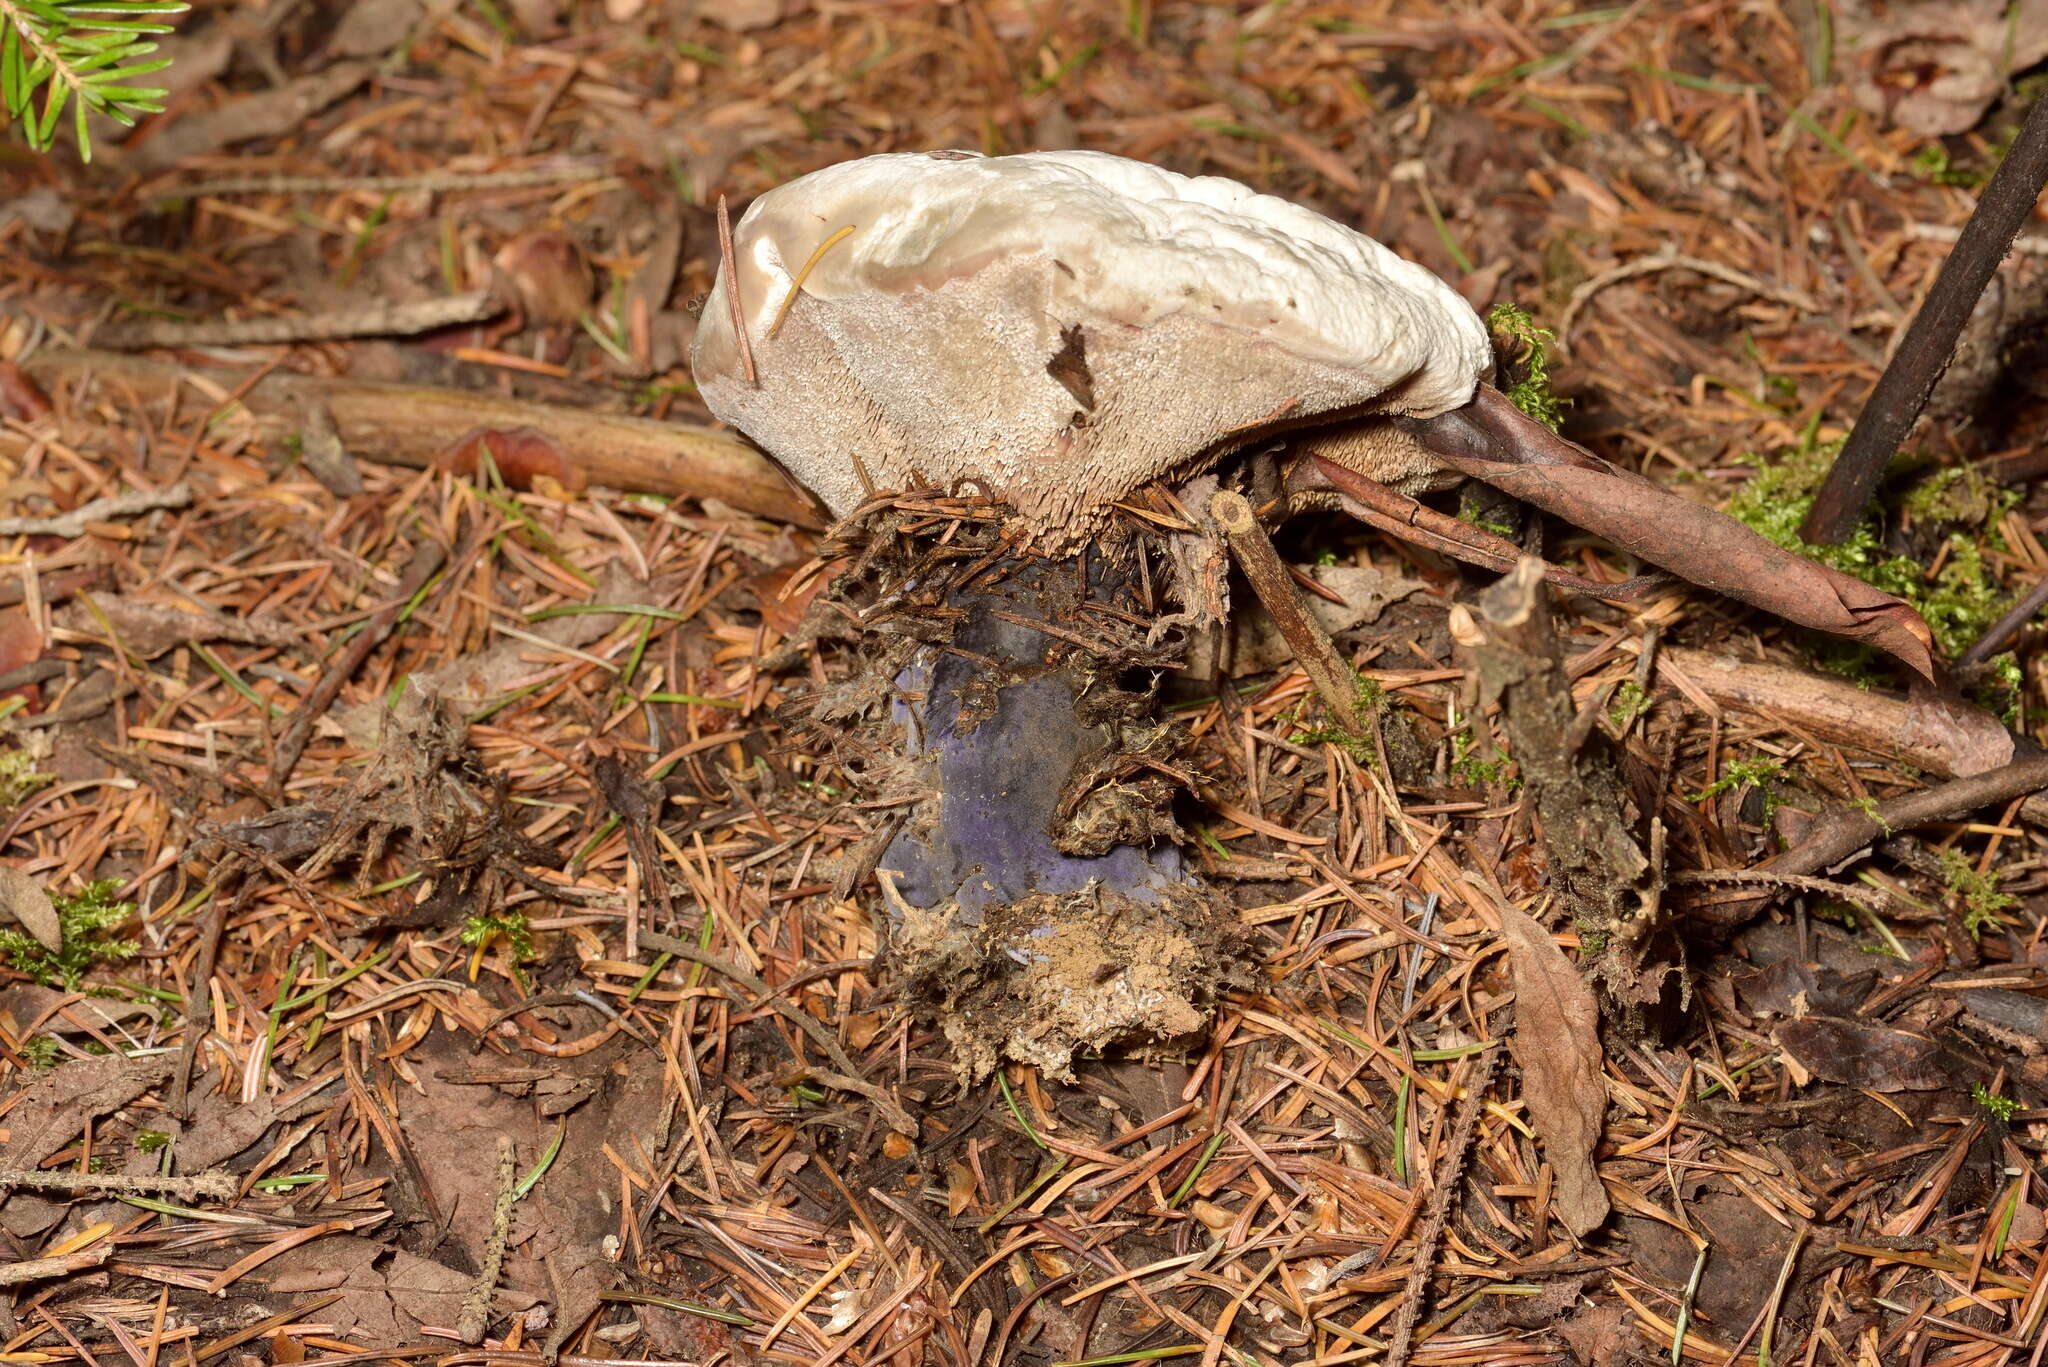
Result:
[[1773, 878], [1306, 636], [1450, 1171], [426, 562], [36, 1269], [413, 425], [219, 1186], [1846, 830], [432, 182], [476, 1306], [1401, 516], [1930, 341], [379, 318], [2005, 628], [79, 520]]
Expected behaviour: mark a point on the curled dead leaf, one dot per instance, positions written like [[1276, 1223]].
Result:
[[20, 397], [521, 455], [1859, 1055], [1556, 1044], [21, 643], [546, 275]]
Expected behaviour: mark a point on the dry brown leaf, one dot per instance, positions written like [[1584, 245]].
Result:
[[1256, 645], [1557, 1046], [23, 900], [1859, 1055], [1936, 68], [1970, 738], [56, 1106], [960, 1188], [373, 28]]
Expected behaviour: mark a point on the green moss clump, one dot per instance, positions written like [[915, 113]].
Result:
[[1760, 774], [1983, 903], [1527, 347], [1630, 701], [86, 921], [485, 927], [1962, 598], [1371, 700], [1996, 1106], [1933, 164], [1475, 772]]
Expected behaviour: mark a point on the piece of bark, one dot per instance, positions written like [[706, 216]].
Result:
[[1556, 1044], [272, 113], [407, 425], [1832, 708], [79, 520], [148, 630], [326, 455], [375, 318]]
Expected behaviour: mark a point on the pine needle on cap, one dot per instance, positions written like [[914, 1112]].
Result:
[[732, 293], [796, 286]]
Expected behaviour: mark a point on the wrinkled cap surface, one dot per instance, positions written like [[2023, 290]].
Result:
[[1059, 328]]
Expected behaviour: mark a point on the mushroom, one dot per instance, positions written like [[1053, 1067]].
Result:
[[1056, 331], [1063, 327]]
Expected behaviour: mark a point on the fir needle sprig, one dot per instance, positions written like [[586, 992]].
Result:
[[84, 55]]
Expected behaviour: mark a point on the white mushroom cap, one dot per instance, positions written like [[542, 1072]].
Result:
[[1060, 328]]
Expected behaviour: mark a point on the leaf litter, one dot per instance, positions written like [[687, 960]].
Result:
[[351, 982]]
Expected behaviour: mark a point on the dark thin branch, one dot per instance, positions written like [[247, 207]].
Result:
[[1846, 830], [1930, 340], [2008, 626]]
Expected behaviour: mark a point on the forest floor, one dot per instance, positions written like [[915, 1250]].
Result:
[[443, 883]]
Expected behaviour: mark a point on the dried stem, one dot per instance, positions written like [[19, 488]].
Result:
[[218, 1186], [1305, 635], [1452, 1167], [426, 562], [476, 1306]]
